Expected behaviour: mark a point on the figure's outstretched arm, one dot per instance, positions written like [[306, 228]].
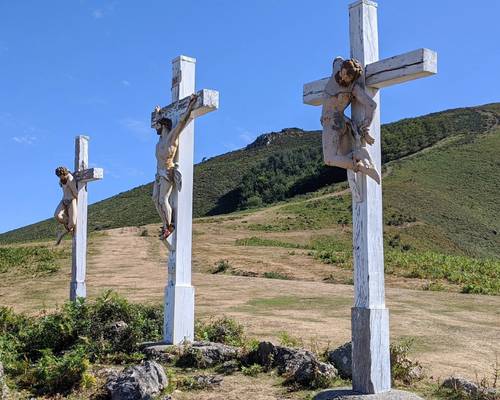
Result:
[[184, 120], [370, 106]]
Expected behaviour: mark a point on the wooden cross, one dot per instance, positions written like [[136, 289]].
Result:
[[179, 293], [369, 316], [83, 175]]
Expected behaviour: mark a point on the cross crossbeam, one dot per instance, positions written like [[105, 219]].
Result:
[[207, 101], [89, 175], [389, 71]]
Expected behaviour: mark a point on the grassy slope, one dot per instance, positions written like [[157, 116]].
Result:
[[457, 221]]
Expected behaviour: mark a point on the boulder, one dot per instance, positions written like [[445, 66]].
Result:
[[469, 388], [341, 358], [206, 354], [207, 381], [314, 374], [163, 353], [139, 382], [300, 366]]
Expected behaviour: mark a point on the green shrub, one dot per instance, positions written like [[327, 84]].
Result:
[[256, 241], [403, 369], [52, 374], [222, 330], [288, 340], [252, 370], [275, 275], [221, 267], [36, 260]]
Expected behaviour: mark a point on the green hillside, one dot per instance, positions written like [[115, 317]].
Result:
[[449, 182]]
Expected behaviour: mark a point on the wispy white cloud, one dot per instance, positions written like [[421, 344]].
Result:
[[138, 128], [244, 135], [27, 139], [98, 13], [125, 82]]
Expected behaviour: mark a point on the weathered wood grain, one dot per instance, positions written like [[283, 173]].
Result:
[[89, 175]]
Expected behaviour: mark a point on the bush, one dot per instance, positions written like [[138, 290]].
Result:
[[222, 330], [36, 260], [252, 370], [288, 340], [404, 369], [50, 353], [52, 374], [221, 267], [275, 275]]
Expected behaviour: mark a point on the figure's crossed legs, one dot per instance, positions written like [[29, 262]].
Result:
[[357, 161], [66, 216], [161, 197]]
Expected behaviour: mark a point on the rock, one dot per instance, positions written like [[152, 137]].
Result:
[[4, 390], [207, 381], [206, 354], [229, 367], [314, 374], [163, 353], [416, 373], [341, 358], [300, 366], [463, 385], [460, 384], [139, 382]]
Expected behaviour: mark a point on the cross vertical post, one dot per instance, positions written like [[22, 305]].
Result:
[[79, 254], [369, 316], [83, 175], [179, 293]]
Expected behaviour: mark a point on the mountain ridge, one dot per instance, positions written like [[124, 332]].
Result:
[[276, 166]]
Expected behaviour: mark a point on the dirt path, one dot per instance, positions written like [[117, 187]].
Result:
[[454, 333]]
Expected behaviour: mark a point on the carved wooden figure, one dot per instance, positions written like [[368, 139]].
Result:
[[66, 211], [369, 316], [173, 192]]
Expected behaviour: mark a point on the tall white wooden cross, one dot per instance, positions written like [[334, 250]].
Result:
[[83, 174], [179, 293], [369, 316]]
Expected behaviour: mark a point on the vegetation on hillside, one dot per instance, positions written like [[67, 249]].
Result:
[[280, 165]]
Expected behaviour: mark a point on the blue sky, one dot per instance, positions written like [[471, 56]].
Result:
[[99, 67]]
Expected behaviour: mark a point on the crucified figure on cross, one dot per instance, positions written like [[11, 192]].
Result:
[[66, 211], [344, 142], [168, 175]]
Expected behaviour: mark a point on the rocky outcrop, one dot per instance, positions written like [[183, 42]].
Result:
[[139, 382], [464, 386], [206, 354], [299, 366], [341, 358]]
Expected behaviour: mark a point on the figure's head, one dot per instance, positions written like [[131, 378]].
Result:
[[349, 71], [163, 123], [62, 173]]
